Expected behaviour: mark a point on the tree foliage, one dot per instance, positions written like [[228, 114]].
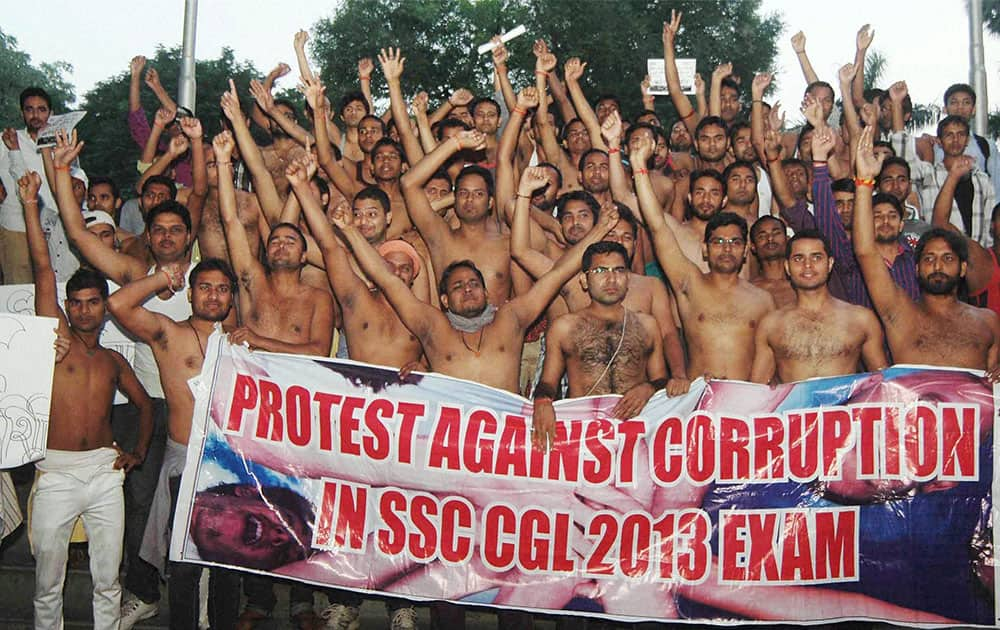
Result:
[[17, 72], [439, 38], [110, 149]]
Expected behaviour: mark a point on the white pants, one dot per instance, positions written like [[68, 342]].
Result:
[[78, 484]]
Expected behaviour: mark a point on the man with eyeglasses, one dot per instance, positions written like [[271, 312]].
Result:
[[719, 310], [605, 348]]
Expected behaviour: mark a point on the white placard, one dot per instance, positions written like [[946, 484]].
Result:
[[656, 68], [65, 122], [27, 359]]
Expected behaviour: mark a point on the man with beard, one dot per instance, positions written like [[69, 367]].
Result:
[[937, 329], [593, 171], [768, 242], [476, 238], [719, 310], [742, 148], [472, 338], [705, 200], [894, 179], [179, 349], [83, 470], [680, 138], [598, 354], [741, 190], [280, 312], [711, 144], [817, 335], [578, 213]]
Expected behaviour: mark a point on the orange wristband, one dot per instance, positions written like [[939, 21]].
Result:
[[858, 181], [641, 171], [614, 150], [61, 168], [522, 112]]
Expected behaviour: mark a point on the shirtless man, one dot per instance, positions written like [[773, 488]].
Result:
[[79, 476], [280, 312], [474, 239], [937, 329], [473, 339], [817, 335], [769, 243], [604, 348], [179, 349], [719, 310], [369, 319], [643, 294], [575, 137]]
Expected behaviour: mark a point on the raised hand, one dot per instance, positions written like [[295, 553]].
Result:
[[153, 79], [500, 53], [176, 275], [419, 103], [532, 179], [136, 65], [776, 119], [300, 39], [611, 129], [799, 43], [10, 139], [392, 63], [761, 81], [898, 91], [527, 98], [230, 102], [639, 150], [470, 139], [609, 213], [846, 73], [262, 96], [342, 216], [546, 62], [699, 83], [298, 169], [164, 116], [365, 67], [869, 114], [865, 36], [823, 142], [540, 47], [671, 28], [867, 164], [280, 70], [178, 145], [28, 186], [813, 111], [772, 144], [191, 127], [960, 166], [573, 70], [223, 145], [644, 85], [67, 149], [460, 97], [312, 89], [722, 71]]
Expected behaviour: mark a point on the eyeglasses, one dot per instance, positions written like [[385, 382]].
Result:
[[600, 271], [736, 241]]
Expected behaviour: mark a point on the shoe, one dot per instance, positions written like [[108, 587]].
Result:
[[135, 610], [249, 619], [341, 617], [404, 619]]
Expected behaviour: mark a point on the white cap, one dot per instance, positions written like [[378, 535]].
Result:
[[96, 217]]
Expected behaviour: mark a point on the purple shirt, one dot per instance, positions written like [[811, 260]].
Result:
[[903, 269], [138, 126]]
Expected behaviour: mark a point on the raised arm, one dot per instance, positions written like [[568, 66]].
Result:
[[648, 100], [153, 81], [324, 153], [365, 67], [799, 46], [46, 299], [177, 147], [864, 39], [423, 320], [544, 67], [299, 43], [135, 83], [680, 100], [506, 177], [556, 87], [661, 225], [699, 96], [259, 114], [432, 227], [526, 308], [264, 105], [721, 71], [427, 139], [263, 184], [621, 188], [191, 127], [980, 267], [533, 261], [125, 304], [161, 119], [846, 76], [248, 269], [758, 126], [120, 268], [500, 56], [573, 72], [889, 299], [392, 67]]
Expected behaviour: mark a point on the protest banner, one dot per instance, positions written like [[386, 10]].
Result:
[[27, 357], [860, 497]]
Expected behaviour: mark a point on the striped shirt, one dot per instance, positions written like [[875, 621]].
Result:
[[903, 269], [928, 180]]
